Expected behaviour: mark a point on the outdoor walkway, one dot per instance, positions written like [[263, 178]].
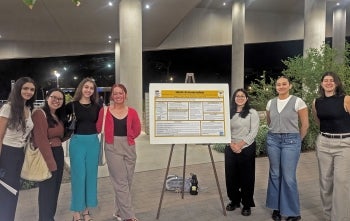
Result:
[[206, 206]]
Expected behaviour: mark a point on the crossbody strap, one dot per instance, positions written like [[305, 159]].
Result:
[[104, 119], [73, 113]]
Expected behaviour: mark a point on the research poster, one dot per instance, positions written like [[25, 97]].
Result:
[[189, 113]]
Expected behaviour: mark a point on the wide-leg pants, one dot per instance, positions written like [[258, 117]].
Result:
[[240, 175], [11, 161], [334, 174], [283, 150], [83, 153], [121, 161]]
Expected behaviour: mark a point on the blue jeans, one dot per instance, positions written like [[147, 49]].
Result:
[[283, 151]]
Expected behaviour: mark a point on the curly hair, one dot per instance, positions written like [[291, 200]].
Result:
[[15, 99]]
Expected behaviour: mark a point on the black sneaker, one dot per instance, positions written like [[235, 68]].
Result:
[[246, 211], [276, 215], [231, 206], [293, 218]]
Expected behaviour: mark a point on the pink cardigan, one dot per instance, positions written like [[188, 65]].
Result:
[[133, 126]]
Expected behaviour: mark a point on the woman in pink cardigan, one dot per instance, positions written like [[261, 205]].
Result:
[[122, 126]]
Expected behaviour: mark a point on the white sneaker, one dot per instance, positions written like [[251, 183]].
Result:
[[117, 216]]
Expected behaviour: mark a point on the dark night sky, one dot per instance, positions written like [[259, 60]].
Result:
[[210, 65]]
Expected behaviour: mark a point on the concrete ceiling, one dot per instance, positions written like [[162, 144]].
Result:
[[93, 21]]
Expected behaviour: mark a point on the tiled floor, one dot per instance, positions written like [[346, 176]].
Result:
[[206, 206]]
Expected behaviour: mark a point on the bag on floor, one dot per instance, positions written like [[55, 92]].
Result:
[[174, 183]]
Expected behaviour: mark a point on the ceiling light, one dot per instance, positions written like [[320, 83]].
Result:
[[224, 4], [147, 6], [110, 37], [338, 3], [110, 3], [109, 41]]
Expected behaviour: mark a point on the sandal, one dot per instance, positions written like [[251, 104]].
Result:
[[80, 219], [115, 215], [88, 218]]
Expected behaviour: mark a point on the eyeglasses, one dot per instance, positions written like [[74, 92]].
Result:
[[56, 98], [240, 96]]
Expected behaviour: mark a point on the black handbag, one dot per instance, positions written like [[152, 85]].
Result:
[[70, 125]]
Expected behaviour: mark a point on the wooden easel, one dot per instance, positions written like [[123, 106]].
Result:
[[189, 79]]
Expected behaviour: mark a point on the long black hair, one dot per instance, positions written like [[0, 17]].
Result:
[[15, 99], [246, 107], [60, 112]]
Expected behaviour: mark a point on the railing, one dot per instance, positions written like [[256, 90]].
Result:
[[37, 103]]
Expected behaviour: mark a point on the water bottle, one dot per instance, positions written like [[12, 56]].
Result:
[[194, 185]]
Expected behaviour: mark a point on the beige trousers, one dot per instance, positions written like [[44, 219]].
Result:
[[334, 175], [121, 160]]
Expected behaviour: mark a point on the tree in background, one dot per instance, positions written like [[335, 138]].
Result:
[[305, 74]]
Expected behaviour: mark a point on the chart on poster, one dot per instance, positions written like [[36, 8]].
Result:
[[189, 113]]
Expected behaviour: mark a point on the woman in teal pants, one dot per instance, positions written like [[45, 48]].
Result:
[[84, 150]]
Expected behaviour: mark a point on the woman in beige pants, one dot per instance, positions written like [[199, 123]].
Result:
[[122, 126]]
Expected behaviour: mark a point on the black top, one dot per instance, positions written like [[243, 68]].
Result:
[[332, 115], [120, 126], [86, 114]]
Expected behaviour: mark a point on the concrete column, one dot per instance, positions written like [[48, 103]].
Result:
[[117, 61], [314, 24], [339, 32], [238, 29], [130, 28]]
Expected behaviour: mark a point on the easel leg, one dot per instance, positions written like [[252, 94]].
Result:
[[184, 173], [166, 175], [217, 180]]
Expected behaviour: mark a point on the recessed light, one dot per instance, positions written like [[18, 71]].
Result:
[[110, 3], [110, 37], [224, 4], [338, 3], [147, 6]]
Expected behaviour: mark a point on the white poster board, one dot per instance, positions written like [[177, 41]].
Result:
[[189, 113]]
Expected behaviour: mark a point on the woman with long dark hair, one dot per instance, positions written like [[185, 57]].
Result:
[[240, 153], [15, 125], [47, 136], [84, 149], [331, 111]]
